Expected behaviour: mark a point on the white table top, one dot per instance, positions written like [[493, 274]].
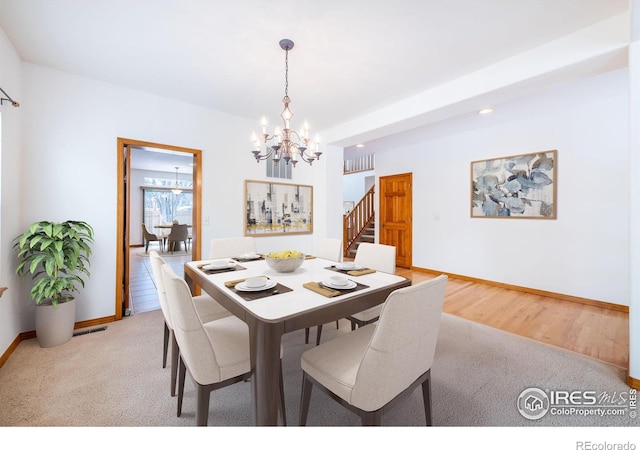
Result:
[[300, 299]]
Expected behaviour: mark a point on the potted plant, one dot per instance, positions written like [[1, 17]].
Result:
[[55, 254]]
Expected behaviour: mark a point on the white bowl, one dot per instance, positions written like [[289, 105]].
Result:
[[348, 265], [218, 264], [339, 280], [284, 265], [255, 282]]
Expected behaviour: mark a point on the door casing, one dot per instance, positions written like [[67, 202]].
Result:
[[123, 222]]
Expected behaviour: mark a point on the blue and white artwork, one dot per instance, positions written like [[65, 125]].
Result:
[[521, 186]]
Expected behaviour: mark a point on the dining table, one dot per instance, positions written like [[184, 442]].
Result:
[[287, 302]]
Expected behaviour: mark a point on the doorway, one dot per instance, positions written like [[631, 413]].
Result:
[[123, 228], [396, 210]]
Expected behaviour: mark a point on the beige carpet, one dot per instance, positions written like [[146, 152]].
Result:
[[115, 378]]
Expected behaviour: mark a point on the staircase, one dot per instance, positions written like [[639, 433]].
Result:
[[367, 235], [358, 225]]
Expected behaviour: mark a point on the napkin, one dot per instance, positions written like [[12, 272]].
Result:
[[357, 273], [320, 289], [232, 283]]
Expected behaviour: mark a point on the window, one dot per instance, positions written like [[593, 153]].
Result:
[[163, 207]]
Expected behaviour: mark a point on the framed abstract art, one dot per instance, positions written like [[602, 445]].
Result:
[[519, 186]]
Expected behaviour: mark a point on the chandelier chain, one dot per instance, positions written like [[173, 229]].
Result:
[[286, 74]]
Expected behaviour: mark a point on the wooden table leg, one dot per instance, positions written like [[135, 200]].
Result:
[[265, 339]]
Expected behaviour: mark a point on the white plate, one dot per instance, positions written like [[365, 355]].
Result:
[[350, 285], [243, 287], [249, 256], [228, 265], [343, 267]]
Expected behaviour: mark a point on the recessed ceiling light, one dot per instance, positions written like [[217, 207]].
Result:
[[485, 111], [360, 145]]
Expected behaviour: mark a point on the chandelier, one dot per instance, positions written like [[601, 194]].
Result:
[[286, 144]]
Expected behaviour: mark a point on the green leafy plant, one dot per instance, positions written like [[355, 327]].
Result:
[[56, 254]]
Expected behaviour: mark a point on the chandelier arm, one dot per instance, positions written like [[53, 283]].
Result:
[[262, 156]]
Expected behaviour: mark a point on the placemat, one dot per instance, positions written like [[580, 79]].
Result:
[[353, 273], [239, 259], [226, 269], [328, 292], [277, 289]]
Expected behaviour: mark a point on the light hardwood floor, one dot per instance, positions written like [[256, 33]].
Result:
[[592, 331]]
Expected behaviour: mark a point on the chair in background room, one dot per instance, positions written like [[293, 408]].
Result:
[[330, 249], [150, 237], [206, 307], [379, 257], [371, 368], [179, 234], [231, 247], [216, 353]]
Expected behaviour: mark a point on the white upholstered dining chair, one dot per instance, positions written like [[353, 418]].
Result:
[[207, 308], [369, 369], [331, 249], [231, 247], [215, 353], [379, 257]]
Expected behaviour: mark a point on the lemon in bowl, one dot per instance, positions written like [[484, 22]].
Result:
[[285, 260]]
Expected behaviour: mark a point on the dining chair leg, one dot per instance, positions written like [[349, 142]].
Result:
[[318, 334], [175, 355], [305, 398], [182, 370], [282, 408], [203, 393], [372, 418], [165, 345], [306, 335], [426, 397]]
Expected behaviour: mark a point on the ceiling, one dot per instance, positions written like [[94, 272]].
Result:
[[351, 57], [146, 158]]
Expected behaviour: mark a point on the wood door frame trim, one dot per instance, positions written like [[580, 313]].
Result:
[[121, 244]]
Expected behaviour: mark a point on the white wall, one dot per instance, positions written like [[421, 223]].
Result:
[[585, 251], [11, 305]]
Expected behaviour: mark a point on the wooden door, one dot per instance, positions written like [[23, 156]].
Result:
[[395, 216]]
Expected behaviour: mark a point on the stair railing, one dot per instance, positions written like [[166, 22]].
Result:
[[356, 221]]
